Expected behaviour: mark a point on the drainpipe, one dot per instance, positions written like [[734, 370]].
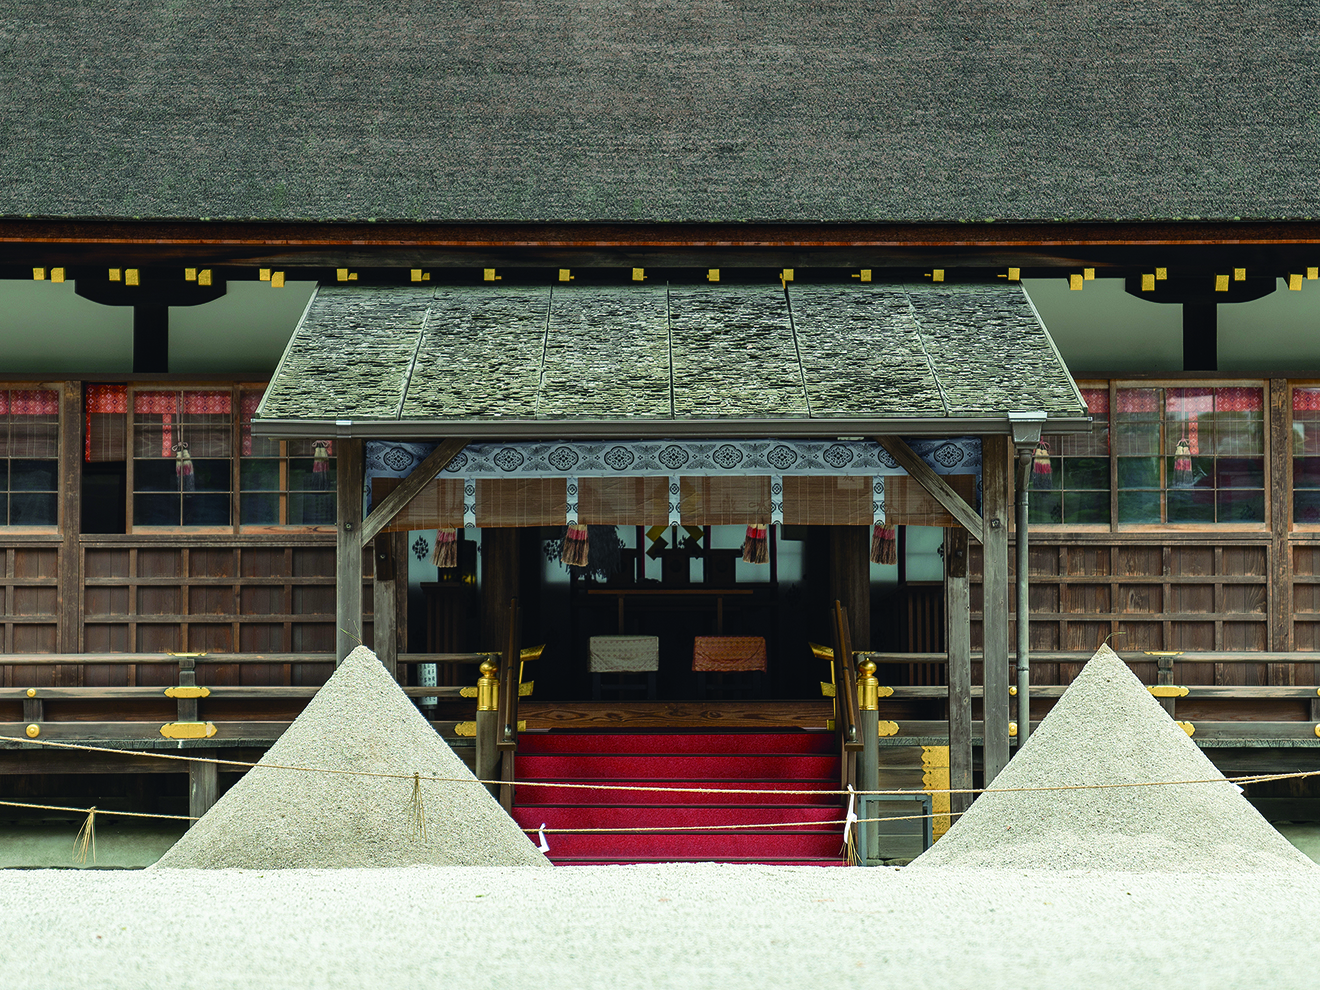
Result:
[[1023, 601], [1026, 434]]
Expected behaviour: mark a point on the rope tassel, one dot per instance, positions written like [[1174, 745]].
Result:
[[1042, 471], [417, 809], [446, 548], [574, 552], [183, 467], [321, 465], [756, 545], [884, 548], [1182, 464], [86, 838]]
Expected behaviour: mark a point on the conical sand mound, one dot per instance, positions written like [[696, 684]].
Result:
[[360, 720], [1107, 729]]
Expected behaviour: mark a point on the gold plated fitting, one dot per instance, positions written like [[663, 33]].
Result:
[[31, 692], [868, 688], [33, 731], [488, 688]]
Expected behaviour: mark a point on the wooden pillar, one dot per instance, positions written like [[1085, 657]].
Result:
[[348, 548], [850, 579], [203, 786], [1280, 638], [69, 591], [958, 637], [384, 616], [499, 585], [996, 504]]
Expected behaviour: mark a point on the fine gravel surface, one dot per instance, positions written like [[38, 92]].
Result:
[[361, 721], [1107, 729], [687, 926]]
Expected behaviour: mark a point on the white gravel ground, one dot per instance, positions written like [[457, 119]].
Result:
[[688, 926]]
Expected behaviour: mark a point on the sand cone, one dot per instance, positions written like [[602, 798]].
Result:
[[360, 720], [1107, 729]]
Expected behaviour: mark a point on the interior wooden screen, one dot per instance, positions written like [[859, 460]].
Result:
[[908, 504], [827, 501], [437, 506], [724, 501], [521, 502], [623, 501]]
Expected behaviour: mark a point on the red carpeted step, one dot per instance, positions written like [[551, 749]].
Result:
[[673, 817], [780, 793], [717, 846], [682, 766], [678, 742], [778, 782]]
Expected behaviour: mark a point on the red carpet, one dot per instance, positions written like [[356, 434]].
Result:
[[776, 762]]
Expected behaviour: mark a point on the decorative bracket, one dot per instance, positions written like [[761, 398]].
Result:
[[187, 691], [188, 730], [1168, 691]]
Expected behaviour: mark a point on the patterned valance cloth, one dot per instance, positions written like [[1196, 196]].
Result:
[[624, 654], [680, 482], [728, 653], [695, 483]]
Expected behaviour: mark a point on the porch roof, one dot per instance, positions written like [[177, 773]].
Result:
[[657, 360]]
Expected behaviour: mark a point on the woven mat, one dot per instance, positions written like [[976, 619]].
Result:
[[718, 653], [624, 654]]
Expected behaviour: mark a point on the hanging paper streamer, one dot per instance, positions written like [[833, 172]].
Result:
[[446, 548], [1182, 464], [321, 465], [884, 548], [756, 545], [1042, 471], [574, 552], [183, 468]]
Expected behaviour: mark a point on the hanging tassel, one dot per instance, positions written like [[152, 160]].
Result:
[[574, 552], [417, 809], [85, 840], [183, 468], [446, 548], [1042, 471], [1182, 464], [321, 466], [884, 548], [756, 545]]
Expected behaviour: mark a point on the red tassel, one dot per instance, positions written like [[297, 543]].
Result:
[[1042, 471], [183, 468], [446, 548], [884, 548], [575, 549], [321, 466], [756, 545], [1182, 464]]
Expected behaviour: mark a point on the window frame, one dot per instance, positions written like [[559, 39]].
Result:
[[1095, 384], [30, 529]]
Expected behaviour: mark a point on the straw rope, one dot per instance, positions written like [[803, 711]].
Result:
[[896, 792]]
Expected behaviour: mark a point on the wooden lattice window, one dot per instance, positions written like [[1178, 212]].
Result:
[[1306, 455], [1075, 489], [1190, 455], [182, 457], [283, 482], [29, 457]]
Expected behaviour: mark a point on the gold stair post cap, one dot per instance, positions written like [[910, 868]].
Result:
[[33, 731], [1012, 728]]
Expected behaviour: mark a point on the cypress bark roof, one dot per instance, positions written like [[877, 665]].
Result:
[[660, 360], [650, 110]]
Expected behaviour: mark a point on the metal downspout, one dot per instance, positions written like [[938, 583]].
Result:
[[1023, 600]]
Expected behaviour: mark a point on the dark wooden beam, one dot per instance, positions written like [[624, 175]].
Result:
[[996, 507], [348, 548], [421, 475], [850, 579], [151, 339], [1200, 326], [938, 488], [958, 633], [69, 600]]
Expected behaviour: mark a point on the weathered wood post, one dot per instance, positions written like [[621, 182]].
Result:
[[488, 726], [203, 778], [348, 548], [958, 617], [384, 616], [868, 761], [997, 497]]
